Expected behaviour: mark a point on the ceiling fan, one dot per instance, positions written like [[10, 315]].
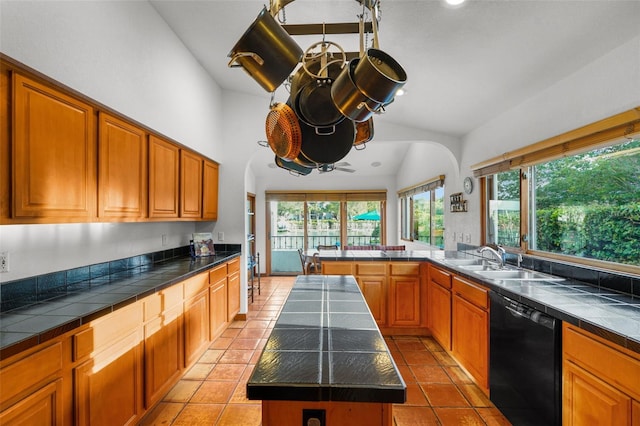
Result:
[[343, 167]]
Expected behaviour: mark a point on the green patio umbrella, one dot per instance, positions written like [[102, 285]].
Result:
[[372, 215]]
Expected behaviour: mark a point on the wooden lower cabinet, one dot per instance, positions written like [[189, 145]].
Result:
[[601, 381], [41, 408], [439, 306], [113, 370], [163, 354], [470, 329], [233, 289], [590, 401], [196, 326], [218, 300], [31, 388], [405, 295], [108, 386]]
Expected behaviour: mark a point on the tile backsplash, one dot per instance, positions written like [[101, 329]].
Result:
[[27, 291]]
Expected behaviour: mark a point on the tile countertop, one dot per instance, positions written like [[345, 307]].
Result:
[[23, 328], [614, 316], [326, 346]]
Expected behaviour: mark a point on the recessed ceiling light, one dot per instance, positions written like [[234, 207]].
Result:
[[376, 164], [454, 2]]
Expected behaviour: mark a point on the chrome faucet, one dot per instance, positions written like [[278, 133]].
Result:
[[499, 253]]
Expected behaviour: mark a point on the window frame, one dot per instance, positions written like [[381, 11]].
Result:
[[603, 133], [406, 202]]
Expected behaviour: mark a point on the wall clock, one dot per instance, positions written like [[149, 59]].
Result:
[[468, 185]]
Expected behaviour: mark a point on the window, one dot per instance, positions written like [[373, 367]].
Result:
[[422, 212], [306, 220], [588, 205], [573, 197], [503, 208]]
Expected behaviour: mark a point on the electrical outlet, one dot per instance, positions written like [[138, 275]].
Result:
[[467, 238], [4, 261], [460, 237], [164, 239], [313, 417]]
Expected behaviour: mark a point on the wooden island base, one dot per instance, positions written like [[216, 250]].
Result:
[[289, 413]]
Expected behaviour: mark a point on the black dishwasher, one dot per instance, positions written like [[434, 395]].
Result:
[[525, 370]]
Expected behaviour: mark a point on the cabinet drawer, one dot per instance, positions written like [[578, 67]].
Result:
[[471, 292], [233, 265], [337, 268], [195, 285], [399, 268], [106, 330], [440, 277], [620, 368], [218, 273], [30, 371], [371, 268]]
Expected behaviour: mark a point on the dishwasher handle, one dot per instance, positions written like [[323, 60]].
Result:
[[526, 312]]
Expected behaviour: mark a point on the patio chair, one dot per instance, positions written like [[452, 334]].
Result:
[[309, 264], [333, 247]]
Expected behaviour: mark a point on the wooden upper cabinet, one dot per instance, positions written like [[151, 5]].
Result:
[[190, 185], [54, 154], [122, 174], [164, 166], [210, 190]]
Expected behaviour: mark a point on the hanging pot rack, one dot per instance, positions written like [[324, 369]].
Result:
[[372, 70]]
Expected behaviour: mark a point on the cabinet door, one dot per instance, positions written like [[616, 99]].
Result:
[[374, 290], [122, 176], [470, 339], [588, 400], [196, 327], [233, 295], [210, 190], [54, 154], [163, 353], [218, 304], [164, 161], [190, 185], [108, 387], [635, 413], [439, 308], [404, 296], [42, 407]]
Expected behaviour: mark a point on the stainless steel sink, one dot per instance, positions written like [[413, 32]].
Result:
[[466, 262], [516, 274]]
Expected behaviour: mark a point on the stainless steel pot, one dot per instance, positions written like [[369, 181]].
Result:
[[379, 76], [327, 149], [348, 98], [266, 52]]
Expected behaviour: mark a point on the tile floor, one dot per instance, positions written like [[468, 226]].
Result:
[[212, 392]]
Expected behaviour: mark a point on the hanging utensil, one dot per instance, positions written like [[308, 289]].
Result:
[[283, 131], [266, 52], [312, 102]]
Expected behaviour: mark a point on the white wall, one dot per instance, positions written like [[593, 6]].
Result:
[[123, 55], [605, 87]]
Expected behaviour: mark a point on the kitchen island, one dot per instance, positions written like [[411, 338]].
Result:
[[326, 358]]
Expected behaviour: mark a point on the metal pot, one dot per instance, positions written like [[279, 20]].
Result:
[[379, 76], [293, 167], [364, 133], [311, 95], [266, 52], [348, 98], [327, 149]]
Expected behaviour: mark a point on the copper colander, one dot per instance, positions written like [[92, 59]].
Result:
[[283, 131]]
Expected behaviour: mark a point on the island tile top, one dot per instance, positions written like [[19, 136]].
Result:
[[326, 346]]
